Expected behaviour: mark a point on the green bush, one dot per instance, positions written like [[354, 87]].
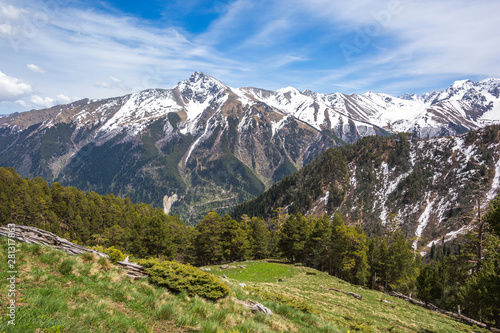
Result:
[[114, 254], [178, 277], [150, 262]]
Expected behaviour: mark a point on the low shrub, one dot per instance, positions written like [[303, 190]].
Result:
[[179, 277], [113, 253], [150, 262]]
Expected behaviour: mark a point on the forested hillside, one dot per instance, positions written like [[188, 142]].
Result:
[[429, 187], [465, 274]]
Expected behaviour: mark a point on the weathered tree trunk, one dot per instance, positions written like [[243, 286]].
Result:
[[34, 235], [255, 307], [432, 307], [134, 270]]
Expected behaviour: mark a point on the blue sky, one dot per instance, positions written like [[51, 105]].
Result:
[[54, 51]]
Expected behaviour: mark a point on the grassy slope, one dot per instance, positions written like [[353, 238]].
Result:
[[60, 293], [368, 315]]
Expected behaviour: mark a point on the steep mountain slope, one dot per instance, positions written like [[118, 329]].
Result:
[[202, 142], [465, 105], [204, 145], [428, 186]]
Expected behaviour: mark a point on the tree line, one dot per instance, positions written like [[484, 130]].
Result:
[[456, 274]]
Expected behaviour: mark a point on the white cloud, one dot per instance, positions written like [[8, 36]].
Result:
[[22, 103], [46, 102], [9, 11], [11, 88], [35, 68], [63, 99], [5, 29], [97, 54], [268, 33], [130, 54], [113, 83], [283, 60]]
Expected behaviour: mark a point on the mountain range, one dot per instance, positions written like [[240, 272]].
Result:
[[430, 188], [204, 145]]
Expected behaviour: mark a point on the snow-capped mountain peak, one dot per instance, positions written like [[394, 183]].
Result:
[[201, 83], [464, 105], [210, 129]]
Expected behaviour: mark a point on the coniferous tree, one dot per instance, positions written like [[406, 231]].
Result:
[[259, 237], [350, 254], [293, 237], [378, 254], [234, 240], [403, 262], [492, 218], [319, 243], [208, 241]]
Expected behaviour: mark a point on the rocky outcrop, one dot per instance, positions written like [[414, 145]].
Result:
[[168, 202]]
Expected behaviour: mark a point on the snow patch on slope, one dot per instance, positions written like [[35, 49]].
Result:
[[495, 186], [423, 220]]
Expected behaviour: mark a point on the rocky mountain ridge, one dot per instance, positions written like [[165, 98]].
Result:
[[429, 187], [215, 146]]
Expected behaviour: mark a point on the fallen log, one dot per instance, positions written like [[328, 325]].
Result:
[[134, 270], [32, 235], [386, 301], [454, 315]]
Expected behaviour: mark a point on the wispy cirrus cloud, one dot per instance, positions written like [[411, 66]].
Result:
[[419, 40], [101, 54], [95, 50]]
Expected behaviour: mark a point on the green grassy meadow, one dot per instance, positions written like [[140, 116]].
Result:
[[56, 292]]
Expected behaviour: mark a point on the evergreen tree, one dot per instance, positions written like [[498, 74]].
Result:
[[403, 263], [208, 241], [259, 237], [492, 218], [378, 255], [480, 295], [350, 259], [234, 240], [319, 243], [293, 237]]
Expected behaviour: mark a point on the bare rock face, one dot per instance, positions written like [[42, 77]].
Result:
[[168, 202]]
